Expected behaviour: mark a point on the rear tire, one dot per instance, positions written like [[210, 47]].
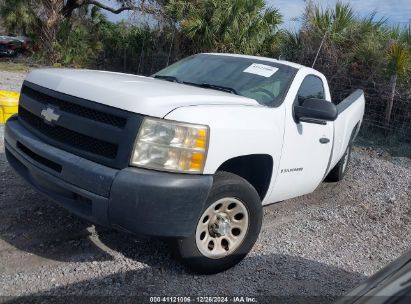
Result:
[[339, 171], [227, 229]]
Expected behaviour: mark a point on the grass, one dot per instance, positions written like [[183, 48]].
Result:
[[395, 144], [13, 67]]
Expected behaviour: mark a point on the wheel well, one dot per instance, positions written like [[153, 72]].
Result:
[[354, 132], [257, 169]]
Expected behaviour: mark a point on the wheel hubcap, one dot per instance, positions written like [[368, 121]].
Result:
[[222, 228]]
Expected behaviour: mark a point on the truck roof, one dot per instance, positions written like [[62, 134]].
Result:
[[291, 64]]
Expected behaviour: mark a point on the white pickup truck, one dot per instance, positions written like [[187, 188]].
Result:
[[192, 153]]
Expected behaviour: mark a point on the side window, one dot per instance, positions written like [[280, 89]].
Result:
[[312, 87]]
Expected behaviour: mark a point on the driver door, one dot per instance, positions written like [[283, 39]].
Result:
[[306, 149]]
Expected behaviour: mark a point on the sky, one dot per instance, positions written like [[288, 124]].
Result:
[[397, 11]]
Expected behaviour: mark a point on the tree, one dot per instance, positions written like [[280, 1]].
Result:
[[72, 5], [42, 18], [239, 26], [336, 21], [79, 41], [38, 18], [398, 58], [17, 17]]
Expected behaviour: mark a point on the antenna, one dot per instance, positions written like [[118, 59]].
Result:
[[319, 49]]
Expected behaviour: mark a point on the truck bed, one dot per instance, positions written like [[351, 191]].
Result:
[[347, 124]]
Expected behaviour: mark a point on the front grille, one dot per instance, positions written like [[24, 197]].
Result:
[[100, 133], [76, 109], [68, 137]]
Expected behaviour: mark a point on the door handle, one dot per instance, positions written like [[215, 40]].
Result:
[[324, 140]]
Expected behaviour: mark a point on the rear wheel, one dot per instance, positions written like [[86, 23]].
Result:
[[227, 229]]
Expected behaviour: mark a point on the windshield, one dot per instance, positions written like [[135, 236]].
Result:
[[264, 81]]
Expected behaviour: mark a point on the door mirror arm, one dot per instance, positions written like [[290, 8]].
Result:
[[312, 120]]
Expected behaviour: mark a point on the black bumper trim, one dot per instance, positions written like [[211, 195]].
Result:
[[158, 203], [79, 201], [140, 201]]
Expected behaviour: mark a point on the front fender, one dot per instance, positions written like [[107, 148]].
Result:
[[236, 131]]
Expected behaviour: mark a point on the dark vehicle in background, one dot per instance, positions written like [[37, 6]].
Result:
[[12, 46], [391, 285], [25, 42]]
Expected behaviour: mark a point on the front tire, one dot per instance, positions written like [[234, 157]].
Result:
[[227, 229]]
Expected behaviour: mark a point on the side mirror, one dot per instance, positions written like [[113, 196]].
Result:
[[316, 111]]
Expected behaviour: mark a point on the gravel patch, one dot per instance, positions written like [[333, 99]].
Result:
[[11, 81], [324, 243]]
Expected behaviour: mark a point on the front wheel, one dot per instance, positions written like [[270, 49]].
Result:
[[227, 229]]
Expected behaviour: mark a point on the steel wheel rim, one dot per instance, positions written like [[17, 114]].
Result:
[[222, 228]]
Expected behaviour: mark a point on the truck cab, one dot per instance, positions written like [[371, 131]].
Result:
[[192, 153]]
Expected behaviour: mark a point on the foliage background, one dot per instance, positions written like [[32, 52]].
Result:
[[352, 51]]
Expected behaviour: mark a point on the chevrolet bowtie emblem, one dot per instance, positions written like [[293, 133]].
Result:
[[49, 115]]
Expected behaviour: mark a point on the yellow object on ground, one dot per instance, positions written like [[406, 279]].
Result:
[[9, 104]]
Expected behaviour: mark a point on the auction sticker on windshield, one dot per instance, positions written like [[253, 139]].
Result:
[[261, 70]]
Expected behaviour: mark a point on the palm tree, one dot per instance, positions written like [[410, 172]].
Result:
[[398, 58], [292, 45], [327, 31], [230, 25], [336, 22]]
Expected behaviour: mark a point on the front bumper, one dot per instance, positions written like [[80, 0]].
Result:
[[140, 201]]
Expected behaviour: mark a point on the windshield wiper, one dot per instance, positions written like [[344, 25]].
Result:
[[201, 85], [168, 78], [213, 86]]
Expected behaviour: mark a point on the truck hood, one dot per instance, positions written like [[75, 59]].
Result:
[[133, 93]]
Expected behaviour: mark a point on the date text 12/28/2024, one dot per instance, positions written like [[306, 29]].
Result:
[[199, 299]]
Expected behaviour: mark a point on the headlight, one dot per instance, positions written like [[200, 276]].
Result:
[[170, 146]]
